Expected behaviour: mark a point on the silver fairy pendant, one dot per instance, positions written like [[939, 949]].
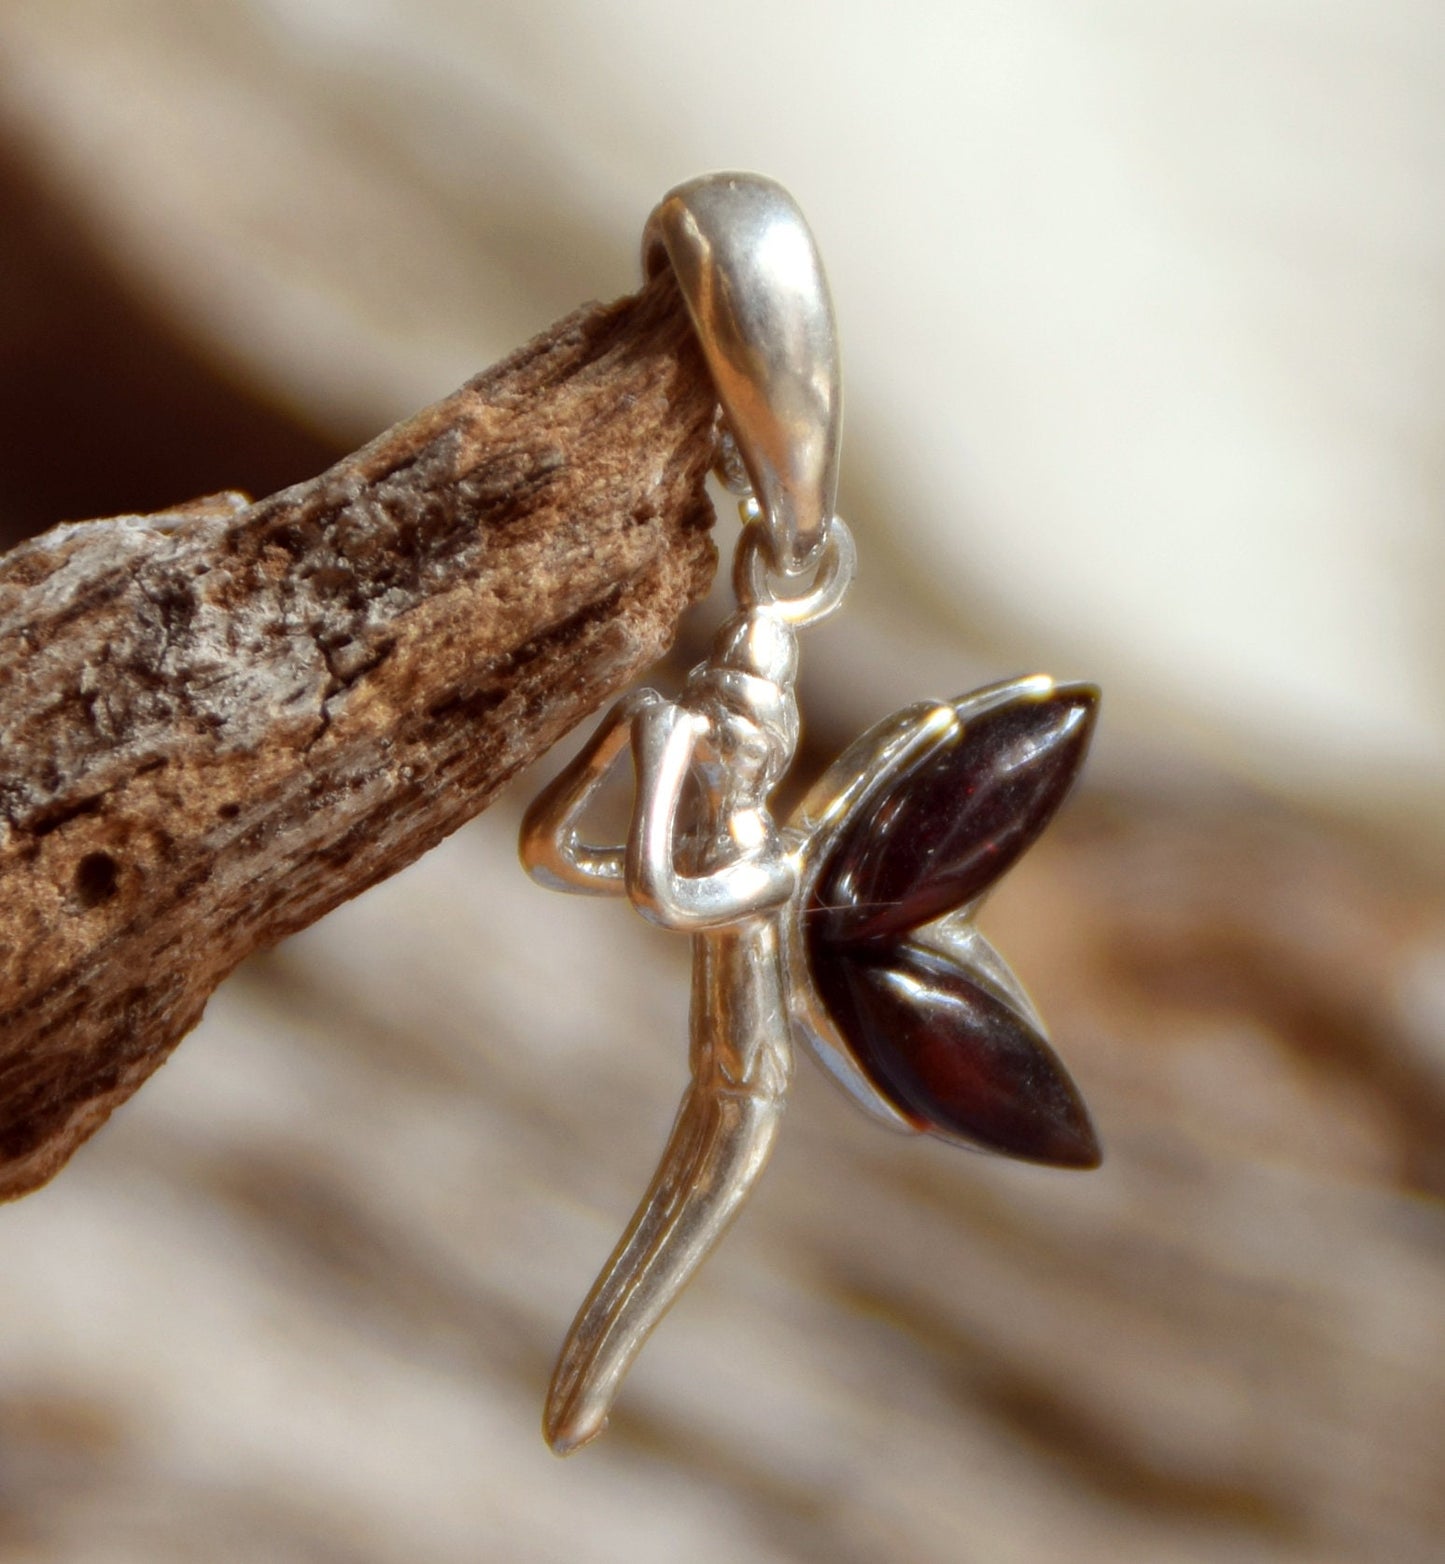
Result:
[[851, 926]]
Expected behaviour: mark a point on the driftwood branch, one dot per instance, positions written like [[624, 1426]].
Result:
[[221, 721]]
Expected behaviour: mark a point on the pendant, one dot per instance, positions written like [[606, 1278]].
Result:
[[850, 926]]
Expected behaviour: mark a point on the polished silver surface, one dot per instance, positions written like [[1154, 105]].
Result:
[[811, 831], [749, 270], [720, 872], [846, 790], [703, 855], [793, 598]]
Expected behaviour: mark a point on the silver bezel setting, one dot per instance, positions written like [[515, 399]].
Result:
[[831, 805]]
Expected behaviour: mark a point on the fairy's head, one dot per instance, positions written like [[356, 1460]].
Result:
[[746, 691]]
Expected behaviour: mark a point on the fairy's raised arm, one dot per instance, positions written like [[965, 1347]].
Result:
[[551, 848], [665, 741]]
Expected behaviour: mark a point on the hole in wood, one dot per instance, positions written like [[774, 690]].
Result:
[[95, 879]]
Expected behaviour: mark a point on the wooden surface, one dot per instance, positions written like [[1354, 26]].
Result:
[[298, 1302], [300, 1299], [221, 721]]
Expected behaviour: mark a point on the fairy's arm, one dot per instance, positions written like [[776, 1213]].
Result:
[[664, 740], [551, 848]]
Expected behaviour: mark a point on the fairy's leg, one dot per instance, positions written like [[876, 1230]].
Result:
[[720, 1143]]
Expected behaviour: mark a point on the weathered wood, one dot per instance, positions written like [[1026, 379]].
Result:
[[219, 722]]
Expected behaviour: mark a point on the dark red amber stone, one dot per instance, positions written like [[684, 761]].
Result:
[[953, 1058], [945, 829]]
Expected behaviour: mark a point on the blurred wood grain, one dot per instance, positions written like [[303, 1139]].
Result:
[[299, 1301]]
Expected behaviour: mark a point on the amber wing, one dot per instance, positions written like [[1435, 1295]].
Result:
[[952, 1053]]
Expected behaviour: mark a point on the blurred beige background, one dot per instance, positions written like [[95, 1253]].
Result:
[[1144, 321]]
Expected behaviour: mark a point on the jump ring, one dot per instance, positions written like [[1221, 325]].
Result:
[[755, 579]]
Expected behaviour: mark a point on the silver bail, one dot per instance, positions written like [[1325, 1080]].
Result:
[[753, 281]]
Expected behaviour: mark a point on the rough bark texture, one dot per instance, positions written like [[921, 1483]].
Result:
[[221, 721], [299, 1301]]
